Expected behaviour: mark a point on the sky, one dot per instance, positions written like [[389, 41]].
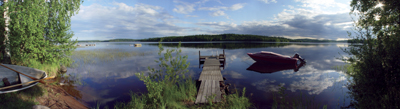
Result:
[[139, 19]]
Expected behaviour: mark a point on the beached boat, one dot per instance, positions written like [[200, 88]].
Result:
[[9, 77], [265, 56]]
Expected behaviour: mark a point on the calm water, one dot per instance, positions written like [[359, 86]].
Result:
[[111, 81]]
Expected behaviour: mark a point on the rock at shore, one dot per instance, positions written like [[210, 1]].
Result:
[[40, 107]]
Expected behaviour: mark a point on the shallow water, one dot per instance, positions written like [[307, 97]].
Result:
[[109, 79]]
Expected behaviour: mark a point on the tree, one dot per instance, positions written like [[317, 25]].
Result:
[[39, 30], [375, 63], [5, 51]]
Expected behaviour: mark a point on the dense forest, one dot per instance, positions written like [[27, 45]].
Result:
[[229, 37], [223, 45], [111, 40], [219, 37]]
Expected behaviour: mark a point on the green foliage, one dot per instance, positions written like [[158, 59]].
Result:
[[375, 63], [235, 101], [40, 31]]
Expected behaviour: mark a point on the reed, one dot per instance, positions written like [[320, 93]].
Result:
[[103, 55]]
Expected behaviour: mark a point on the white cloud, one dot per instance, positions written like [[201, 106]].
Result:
[[237, 6], [268, 1], [184, 9], [218, 13], [109, 26], [290, 7], [191, 16], [220, 10], [325, 6], [122, 21], [217, 8]]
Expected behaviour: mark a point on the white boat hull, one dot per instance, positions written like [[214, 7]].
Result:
[[15, 78]]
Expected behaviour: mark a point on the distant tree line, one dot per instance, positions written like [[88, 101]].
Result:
[[219, 37], [224, 45], [121, 40], [229, 37], [111, 40]]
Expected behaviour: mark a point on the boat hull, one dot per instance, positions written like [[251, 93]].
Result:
[[15, 78], [261, 58]]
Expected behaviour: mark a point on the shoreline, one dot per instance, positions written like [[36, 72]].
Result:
[[57, 97]]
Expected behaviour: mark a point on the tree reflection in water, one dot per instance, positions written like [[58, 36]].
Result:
[[68, 83]]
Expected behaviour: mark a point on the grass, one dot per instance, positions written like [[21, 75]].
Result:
[[182, 96], [24, 99], [172, 96], [50, 69]]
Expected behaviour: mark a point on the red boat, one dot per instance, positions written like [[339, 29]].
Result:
[[265, 56]]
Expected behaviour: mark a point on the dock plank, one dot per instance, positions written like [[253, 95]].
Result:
[[211, 62], [208, 94], [200, 93], [213, 91], [207, 89], [210, 77], [205, 68]]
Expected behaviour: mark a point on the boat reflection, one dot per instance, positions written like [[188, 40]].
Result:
[[271, 67]]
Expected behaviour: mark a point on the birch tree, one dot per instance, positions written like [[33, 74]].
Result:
[[40, 30]]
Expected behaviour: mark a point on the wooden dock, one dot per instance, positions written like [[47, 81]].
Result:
[[210, 78]]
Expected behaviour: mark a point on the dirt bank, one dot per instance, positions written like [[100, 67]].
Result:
[[57, 98]]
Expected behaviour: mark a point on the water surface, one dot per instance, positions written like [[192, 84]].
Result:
[[110, 79]]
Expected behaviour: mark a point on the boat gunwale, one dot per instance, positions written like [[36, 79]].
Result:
[[24, 87]]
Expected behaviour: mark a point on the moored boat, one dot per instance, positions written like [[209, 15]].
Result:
[[138, 45], [265, 56]]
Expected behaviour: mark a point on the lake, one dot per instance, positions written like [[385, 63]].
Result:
[[105, 73]]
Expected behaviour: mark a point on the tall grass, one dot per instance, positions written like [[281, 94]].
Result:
[[51, 69]]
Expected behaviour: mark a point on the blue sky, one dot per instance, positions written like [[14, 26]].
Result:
[[138, 19]]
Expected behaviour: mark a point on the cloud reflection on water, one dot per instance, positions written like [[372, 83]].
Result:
[[315, 77]]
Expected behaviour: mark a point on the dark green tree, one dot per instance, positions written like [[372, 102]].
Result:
[[375, 63]]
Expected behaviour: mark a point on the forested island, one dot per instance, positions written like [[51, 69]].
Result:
[[218, 37]]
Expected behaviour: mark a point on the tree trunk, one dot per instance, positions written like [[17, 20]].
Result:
[[6, 43]]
